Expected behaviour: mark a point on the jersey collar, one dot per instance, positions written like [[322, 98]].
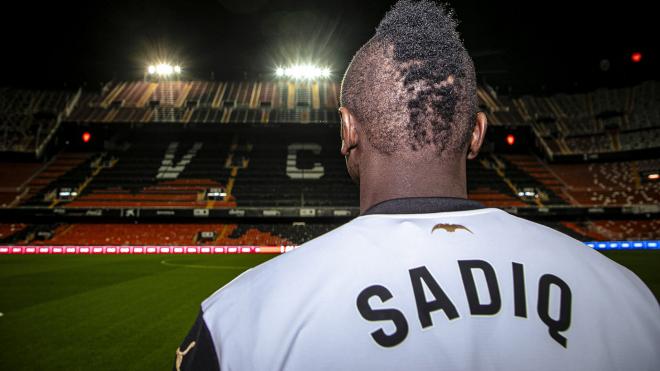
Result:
[[422, 205]]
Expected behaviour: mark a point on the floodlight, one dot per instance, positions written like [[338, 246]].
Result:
[[303, 72], [164, 69]]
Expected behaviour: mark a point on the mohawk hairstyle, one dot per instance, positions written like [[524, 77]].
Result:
[[413, 84]]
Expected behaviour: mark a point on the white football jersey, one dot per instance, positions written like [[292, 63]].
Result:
[[464, 290]]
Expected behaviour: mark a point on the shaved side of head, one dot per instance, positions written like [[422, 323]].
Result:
[[413, 85]]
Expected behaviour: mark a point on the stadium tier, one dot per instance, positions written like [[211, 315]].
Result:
[[7, 231], [600, 122], [254, 148], [600, 230], [290, 167], [28, 119], [262, 234], [583, 184], [240, 102], [603, 121], [253, 167], [15, 178], [211, 102]]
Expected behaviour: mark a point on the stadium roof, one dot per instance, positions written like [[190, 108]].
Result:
[[514, 44]]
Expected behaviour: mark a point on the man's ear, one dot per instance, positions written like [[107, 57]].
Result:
[[349, 133], [478, 135]]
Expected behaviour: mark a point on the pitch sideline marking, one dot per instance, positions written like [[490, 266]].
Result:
[[194, 266]]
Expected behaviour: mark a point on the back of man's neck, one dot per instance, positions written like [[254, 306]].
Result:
[[385, 179]]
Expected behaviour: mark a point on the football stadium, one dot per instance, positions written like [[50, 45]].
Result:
[[127, 198]]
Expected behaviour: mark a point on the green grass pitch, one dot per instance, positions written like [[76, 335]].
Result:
[[126, 312]]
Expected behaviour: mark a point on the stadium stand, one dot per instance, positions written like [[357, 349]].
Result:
[[627, 229], [543, 175], [295, 233], [254, 164], [264, 234], [518, 175], [244, 102], [15, 176], [285, 173], [9, 229], [602, 121], [618, 230], [597, 183], [608, 183], [65, 170], [173, 171], [288, 173], [210, 102], [167, 234], [489, 186], [301, 170], [28, 119]]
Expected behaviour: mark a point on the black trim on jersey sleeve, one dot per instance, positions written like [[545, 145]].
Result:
[[197, 351]]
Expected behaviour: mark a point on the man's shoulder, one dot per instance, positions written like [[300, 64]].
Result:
[[587, 262]]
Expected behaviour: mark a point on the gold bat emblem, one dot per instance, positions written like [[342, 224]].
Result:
[[180, 355], [449, 227]]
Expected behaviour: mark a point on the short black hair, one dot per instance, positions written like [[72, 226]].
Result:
[[413, 83]]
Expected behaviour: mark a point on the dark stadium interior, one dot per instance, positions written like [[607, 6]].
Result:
[[156, 145]]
